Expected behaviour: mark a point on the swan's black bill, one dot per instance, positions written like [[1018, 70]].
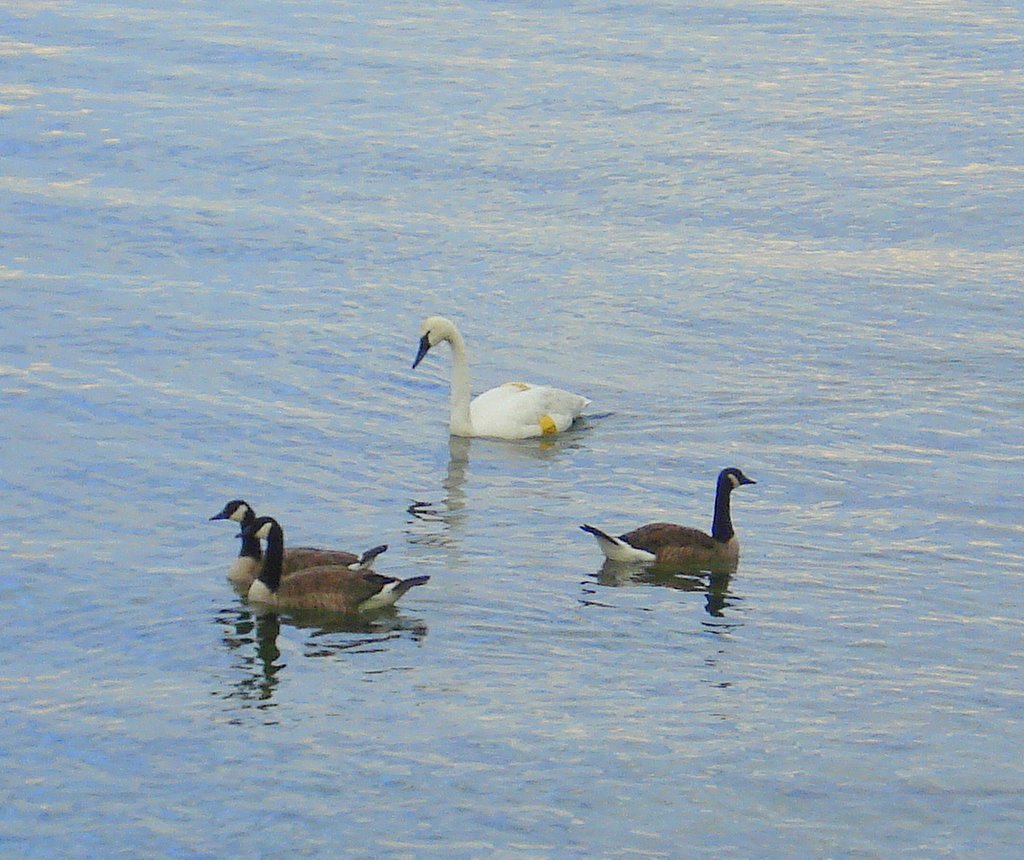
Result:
[[424, 349]]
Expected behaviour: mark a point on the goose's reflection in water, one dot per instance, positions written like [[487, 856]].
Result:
[[253, 638], [328, 633], [713, 584], [253, 641]]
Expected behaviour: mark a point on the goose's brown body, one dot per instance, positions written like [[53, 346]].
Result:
[[682, 545], [335, 588], [669, 544], [247, 566]]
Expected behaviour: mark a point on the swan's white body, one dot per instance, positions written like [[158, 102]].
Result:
[[515, 410]]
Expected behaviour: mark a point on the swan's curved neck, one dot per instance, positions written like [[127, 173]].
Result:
[[270, 574], [721, 526], [460, 422]]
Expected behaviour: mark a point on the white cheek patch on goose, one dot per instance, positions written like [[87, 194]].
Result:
[[734, 480], [239, 513]]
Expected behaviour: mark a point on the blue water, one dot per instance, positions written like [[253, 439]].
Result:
[[777, 236]]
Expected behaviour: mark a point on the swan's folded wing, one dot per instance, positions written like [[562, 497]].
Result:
[[521, 410]]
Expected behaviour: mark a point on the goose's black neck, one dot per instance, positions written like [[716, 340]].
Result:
[[250, 543], [270, 573], [721, 525]]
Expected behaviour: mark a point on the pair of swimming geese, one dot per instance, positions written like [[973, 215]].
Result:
[[313, 578]]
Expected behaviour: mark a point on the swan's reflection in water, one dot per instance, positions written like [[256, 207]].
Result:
[[438, 525], [713, 584], [441, 523], [253, 639]]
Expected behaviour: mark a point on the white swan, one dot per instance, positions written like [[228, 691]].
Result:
[[515, 410]]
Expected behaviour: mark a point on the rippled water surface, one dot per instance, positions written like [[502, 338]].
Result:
[[781, 236]]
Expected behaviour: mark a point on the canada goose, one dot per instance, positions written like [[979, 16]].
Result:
[[334, 587], [669, 544], [246, 567], [515, 410]]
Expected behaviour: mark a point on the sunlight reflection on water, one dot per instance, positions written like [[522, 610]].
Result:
[[779, 237]]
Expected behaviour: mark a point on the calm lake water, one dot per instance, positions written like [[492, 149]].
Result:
[[781, 236]]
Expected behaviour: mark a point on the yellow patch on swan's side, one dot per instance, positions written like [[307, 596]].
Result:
[[522, 386], [547, 425]]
